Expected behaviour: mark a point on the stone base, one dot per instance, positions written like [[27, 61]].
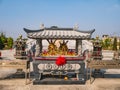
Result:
[[98, 73], [58, 82]]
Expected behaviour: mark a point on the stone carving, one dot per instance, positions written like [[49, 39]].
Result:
[[63, 49], [52, 48]]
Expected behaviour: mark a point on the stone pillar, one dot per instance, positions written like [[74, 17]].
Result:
[[79, 47], [76, 47], [38, 47]]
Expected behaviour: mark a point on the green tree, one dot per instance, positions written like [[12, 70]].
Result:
[[3, 37], [2, 40], [115, 44], [106, 44], [1, 43], [5, 43], [9, 42]]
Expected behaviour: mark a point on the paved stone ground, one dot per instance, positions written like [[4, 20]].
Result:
[[98, 84]]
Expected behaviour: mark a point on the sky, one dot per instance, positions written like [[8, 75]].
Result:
[[101, 15]]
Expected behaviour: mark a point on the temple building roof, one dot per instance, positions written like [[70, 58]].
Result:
[[58, 33]]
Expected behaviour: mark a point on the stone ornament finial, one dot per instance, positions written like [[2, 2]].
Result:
[[42, 26], [97, 37], [76, 26]]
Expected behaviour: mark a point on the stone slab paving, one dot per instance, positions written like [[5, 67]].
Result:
[[98, 84]]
